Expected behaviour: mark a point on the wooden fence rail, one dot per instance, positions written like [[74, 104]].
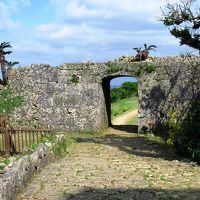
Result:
[[16, 140]]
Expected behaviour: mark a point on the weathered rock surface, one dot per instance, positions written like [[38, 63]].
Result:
[[75, 96], [17, 174]]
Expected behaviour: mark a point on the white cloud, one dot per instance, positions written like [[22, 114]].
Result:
[[106, 9], [68, 33], [7, 11], [90, 29], [5, 16], [78, 10]]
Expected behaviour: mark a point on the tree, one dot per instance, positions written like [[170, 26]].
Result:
[[131, 88], [4, 62], [127, 90], [143, 54], [183, 22], [10, 67], [3, 46], [9, 101]]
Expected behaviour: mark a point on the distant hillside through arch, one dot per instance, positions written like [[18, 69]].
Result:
[[116, 82]]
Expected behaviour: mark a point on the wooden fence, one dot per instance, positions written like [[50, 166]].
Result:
[[16, 140]]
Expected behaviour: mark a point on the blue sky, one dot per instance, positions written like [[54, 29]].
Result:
[[59, 31], [118, 81]]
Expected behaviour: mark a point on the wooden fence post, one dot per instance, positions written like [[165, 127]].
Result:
[[7, 137], [8, 146]]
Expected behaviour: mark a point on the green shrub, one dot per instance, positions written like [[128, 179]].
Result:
[[187, 139], [74, 79], [173, 125], [9, 101], [185, 136], [112, 68], [59, 144]]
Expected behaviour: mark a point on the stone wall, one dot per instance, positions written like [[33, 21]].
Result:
[[17, 175], [173, 87], [75, 96]]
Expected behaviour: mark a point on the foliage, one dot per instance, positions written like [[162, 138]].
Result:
[[143, 54], [138, 50], [138, 70], [121, 106], [112, 68], [185, 135], [187, 140], [183, 22], [148, 68], [146, 48], [173, 125], [32, 147], [4, 62], [6, 161], [74, 79], [127, 90], [150, 47], [59, 145], [8, 101]]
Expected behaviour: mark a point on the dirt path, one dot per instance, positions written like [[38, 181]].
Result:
[[119, 165], [124, 119]]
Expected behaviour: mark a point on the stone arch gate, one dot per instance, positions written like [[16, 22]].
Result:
[[106, 90], [71, 96]]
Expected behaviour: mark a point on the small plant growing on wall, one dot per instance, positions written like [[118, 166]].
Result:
[[112, 68], [6, 67], [74, 79], [143, 54]]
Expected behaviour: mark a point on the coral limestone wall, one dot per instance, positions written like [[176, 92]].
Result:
[[75, 97]]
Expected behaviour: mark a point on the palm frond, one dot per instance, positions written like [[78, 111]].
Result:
[[7, 52], [11, 63], [4, 45], [14, 63], [152, 47], [137, 49]]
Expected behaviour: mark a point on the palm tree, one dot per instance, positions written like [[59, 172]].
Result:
[[3, 46], [145, 52], [138, 50], [143, 55], [138, 55], [10, 67]]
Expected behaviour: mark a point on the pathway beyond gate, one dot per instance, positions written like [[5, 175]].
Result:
[[119, 165]]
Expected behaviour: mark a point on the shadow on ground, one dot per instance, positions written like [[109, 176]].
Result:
[[126, 128], [133, 194], [133, 143]]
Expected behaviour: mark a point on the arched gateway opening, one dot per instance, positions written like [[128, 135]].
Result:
[[121, 101]]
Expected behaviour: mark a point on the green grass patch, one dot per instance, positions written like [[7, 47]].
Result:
[[153, 138], [133, 121], [124, 106]]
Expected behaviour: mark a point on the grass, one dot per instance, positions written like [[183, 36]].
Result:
[[153, 138], [134, 121], [124, 106]]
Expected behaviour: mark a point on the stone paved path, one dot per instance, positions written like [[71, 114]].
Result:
[[120, 165]]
